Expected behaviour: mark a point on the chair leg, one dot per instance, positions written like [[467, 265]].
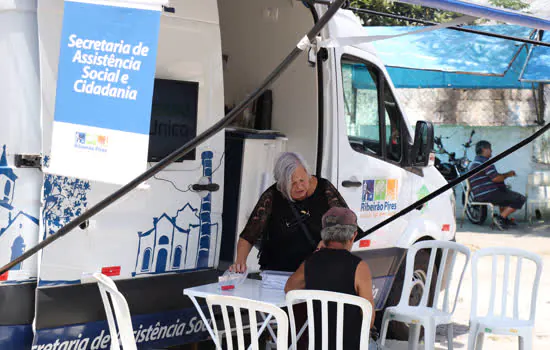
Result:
[[429, 336], [479, 340], [472, 336], [464, 212], [526, 342], [414, 336], [450, 337], [384, 330]]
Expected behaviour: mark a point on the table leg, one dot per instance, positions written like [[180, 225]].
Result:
[[263, 326], [266, 322], [206, 323], [298, 336]]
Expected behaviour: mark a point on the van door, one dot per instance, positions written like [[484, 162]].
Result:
[[372, 141]]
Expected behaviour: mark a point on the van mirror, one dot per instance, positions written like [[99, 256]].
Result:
[[423, 144]]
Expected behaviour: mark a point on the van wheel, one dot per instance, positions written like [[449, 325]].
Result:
[[398, 330]]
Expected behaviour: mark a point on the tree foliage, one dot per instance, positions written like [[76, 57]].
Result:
[[417, 12], [406, 10], [517, 5]]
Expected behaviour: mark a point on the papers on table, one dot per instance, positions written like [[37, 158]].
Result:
[[274, 279]]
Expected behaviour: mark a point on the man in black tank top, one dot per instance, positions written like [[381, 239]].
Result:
[[336, 269]]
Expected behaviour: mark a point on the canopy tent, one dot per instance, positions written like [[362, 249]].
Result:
[[537, 66], [451, 59], [411, 78], [450, 51]]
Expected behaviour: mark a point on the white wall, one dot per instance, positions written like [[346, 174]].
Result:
[[257, 35], [487, 107]]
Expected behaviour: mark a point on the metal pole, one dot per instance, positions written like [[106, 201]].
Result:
[[456, 181], [183, 150], [541, 107]]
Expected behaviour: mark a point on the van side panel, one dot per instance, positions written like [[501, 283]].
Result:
[[160, 238], [19, 187]]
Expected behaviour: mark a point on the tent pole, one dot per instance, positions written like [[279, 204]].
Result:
[[542, 106]]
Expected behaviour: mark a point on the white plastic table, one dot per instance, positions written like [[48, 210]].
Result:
[[249, 289]]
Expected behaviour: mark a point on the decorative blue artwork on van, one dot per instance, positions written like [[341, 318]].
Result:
[[64, 199], [179, 242], [17, 227], [7, 182]]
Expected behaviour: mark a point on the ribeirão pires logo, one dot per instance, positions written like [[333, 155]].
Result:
[[379, 198], [91, 142]]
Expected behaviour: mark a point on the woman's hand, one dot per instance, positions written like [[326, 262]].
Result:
[[238, 266], [243, 248]]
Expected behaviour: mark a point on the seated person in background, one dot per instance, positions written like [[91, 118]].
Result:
[[334, 268], [488, 186]]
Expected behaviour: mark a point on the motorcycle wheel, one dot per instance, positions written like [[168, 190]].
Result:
[[477, 214]]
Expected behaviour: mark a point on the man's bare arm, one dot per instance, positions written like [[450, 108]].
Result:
[[363, 285], [502, 177], [297, 280]]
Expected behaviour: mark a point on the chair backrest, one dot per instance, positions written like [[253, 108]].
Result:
[[507, 253], [468, 186], [325, 297], [118, 316], [448, 253], [253, 306]]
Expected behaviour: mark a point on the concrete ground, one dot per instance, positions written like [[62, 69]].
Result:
[[535, 238]]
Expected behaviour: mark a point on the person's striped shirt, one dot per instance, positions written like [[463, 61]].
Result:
[[482, 183]]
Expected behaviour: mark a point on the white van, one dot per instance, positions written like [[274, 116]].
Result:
[[335, 106]]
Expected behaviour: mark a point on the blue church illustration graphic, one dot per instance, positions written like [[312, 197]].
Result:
[[19, 228], [7, 182], [181, 242]]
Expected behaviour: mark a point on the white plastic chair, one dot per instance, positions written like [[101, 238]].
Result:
[[424, 315], [536, 194], [467, 190], [325, 297], [253, 306], [497, 321], [118, 316]]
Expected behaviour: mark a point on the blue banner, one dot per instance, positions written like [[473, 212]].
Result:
[[150, 331], [105, 82], [107, 66]]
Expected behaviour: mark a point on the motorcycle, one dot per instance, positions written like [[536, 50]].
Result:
[[454, 168]]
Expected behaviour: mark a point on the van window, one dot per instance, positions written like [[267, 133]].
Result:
[[393, 126], [361, 86], [361, 107]]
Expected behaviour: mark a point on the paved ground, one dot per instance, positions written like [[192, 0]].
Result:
[[535, 238]]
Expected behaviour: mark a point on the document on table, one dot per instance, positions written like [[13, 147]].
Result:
[[274, 279]]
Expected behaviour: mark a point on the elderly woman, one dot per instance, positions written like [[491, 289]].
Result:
[[287, 217]]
